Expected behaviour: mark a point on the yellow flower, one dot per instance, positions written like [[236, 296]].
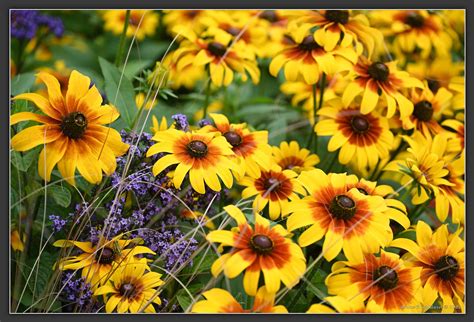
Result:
[[387, 282], [221, 301], [72, 131], [187, 76], [130, 287], [250, 147], [217, 52], [347, 219], [364, 138], [98, 261], [440, 255], [336, 26], [159, 126], [275, 187], [378, 81], [204, 155], [290, 156], [436, 174], [428, 110], [305, 58], [275, 23], [257, 248], [142, 22], [456, 143], [189, 19]]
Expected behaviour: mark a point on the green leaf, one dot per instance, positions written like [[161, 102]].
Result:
[[134, 67], [317, 286], [61, 195], [183, 297], [24, 162], [122, 97], [22, 83]]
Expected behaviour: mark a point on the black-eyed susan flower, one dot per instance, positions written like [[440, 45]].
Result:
[[130, 288], [250, 147], [434, 174], [204, 156], [187, 77], [364, 137], [221, 301], [347, 219], [456, 143], [98, 261], [440, 255], [289, 156], [387, 283], [339, 304], [275, 188], [141, 22], [72, 130], [258, 248], [219, 53], [275, 24], [340, 26], [159, 126], [305, 58], [379, 81], [427, 111], [415, 32]]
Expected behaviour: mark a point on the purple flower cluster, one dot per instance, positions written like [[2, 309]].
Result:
[[169, 242], [204, 122], [25, 23], [181, 122], [57, 222], [77, 293]]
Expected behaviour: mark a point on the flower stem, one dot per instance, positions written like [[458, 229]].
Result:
[[206, 100], [316, 107], [123, 37]]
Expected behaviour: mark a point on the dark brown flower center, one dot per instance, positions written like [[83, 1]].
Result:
[[447, 267], [415, 20], [433, 85], [192, 13], [423, 111], [342, 207], [339, 16], [216, 48], [308, 44], [128, 290], [261, 244], [197, 149], [234, 31], [233, 138], [269, 15], [378, 71], [360, 124], [134, 20], [105, 255], [271, 183], [74, 125], [388, 277]]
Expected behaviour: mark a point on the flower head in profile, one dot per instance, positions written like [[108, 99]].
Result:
[[339, 26], [216, 50], [72, 130], [258, 248], [289, 156], [221, 301], [365, 138], [386, 282], [305, 58], [440, 255], [99, 260], [334, 209], [379, 81], [275, 188], [250, 147], [204, 156], [130, 287], [141, 23], [435, 173]]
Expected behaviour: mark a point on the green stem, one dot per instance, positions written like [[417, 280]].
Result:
[[19, 58], [206, 100], [315, 108], [123, 37], [322, 87]]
